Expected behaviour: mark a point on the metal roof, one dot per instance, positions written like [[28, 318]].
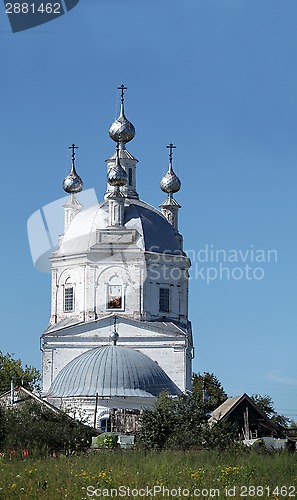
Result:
[[112, 371], [155, 233], [158, 234], [124, 154], [76, 326]]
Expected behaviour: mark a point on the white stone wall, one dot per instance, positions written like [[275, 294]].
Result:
[[90, 277], [168, 348], [171, 272], [83, 408]]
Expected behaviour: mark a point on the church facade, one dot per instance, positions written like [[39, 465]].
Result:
[[119, 332]]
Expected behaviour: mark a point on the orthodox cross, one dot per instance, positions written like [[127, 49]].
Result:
[[122, 88], [170, 147], [73, 147]]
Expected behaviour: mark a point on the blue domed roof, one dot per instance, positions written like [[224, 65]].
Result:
[[112, 371]]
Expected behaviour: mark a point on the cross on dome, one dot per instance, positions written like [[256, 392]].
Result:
[[170, 183], [122, 130], [73, 147], [122, 88], [171, 147], [72, 182]]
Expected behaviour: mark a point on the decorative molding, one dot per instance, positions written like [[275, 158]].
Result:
[[115, 236]]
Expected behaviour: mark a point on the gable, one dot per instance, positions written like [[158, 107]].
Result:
[[130, 329], [240, 409]]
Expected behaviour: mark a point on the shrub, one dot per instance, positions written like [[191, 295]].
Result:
[[34, 426], [107, 441]]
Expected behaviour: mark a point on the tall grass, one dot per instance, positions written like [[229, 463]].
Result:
[[206, 472]]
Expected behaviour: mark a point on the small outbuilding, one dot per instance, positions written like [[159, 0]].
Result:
[[252, 422]]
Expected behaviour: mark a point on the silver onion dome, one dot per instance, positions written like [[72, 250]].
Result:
[[117, 176], [121, 129], [72, 182], [170, 183]]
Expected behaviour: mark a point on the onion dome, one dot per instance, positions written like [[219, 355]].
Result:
[[121, 129], [72, 182], [112, 371], [170, 183], [117, 176]]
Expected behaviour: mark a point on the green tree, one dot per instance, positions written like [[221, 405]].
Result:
[[208, 391], [265, 403], [157, 424], [267, 406], [180, 423], [190, 419], [292, 429], [10, 368]]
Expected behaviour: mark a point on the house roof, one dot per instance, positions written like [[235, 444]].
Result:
[[226, 408], [21, 395]]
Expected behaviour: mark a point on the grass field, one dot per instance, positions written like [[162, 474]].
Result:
[[134, 474]]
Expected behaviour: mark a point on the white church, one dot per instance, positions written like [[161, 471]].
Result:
[[119, 332]]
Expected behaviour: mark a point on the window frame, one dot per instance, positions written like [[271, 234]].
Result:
[[67, 299], [121, 295], [165, 299]]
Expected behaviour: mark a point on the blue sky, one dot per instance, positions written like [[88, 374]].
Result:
[[218, 78]]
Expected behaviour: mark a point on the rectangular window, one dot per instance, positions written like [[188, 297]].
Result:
[[68, 299], [130, 176], [164, 299], [115, 297]]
